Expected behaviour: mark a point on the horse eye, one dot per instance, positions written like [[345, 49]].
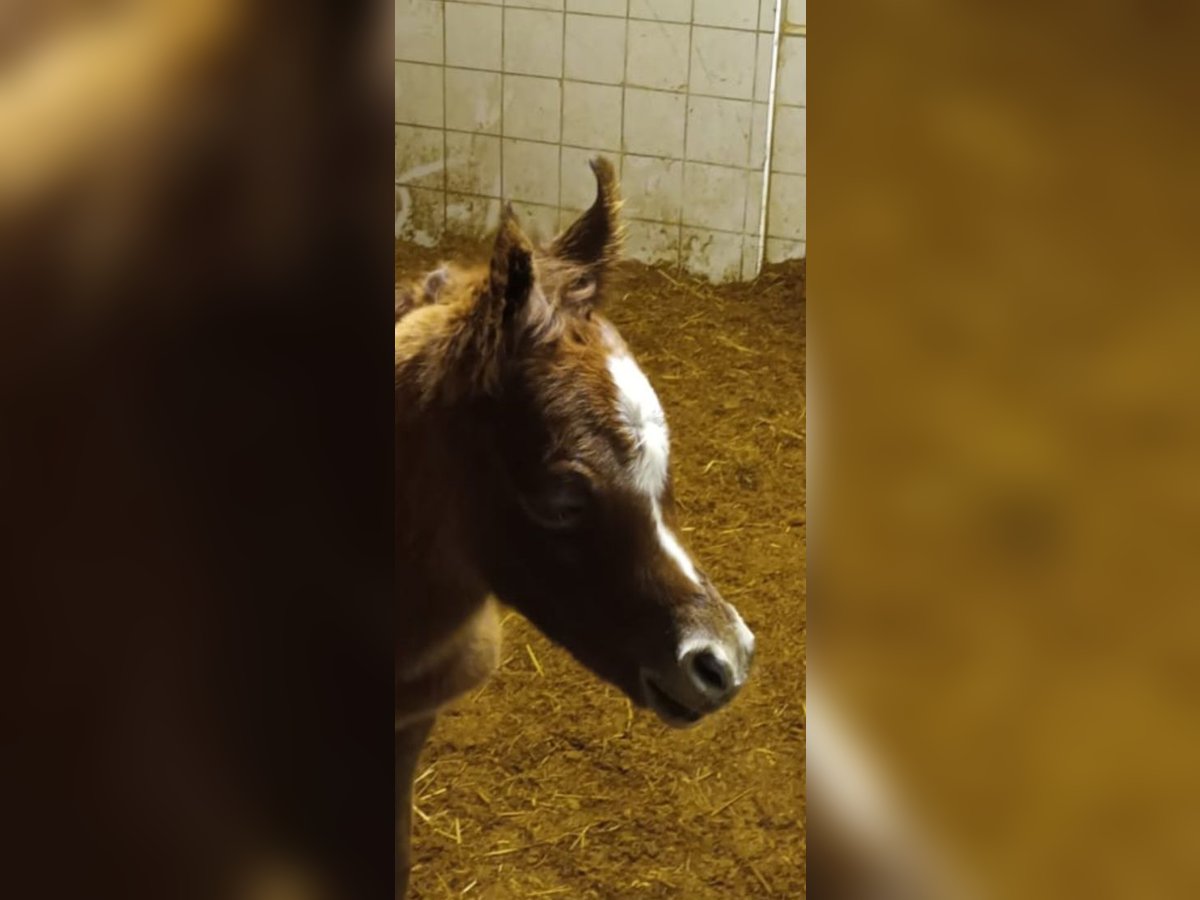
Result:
[[562, 504]]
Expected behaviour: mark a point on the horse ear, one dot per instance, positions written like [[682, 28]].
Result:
[[594, 239], [510, 275]]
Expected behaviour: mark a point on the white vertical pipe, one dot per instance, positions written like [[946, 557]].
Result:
[[776, 41]]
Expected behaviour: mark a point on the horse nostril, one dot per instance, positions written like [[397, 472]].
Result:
[[711, 673]]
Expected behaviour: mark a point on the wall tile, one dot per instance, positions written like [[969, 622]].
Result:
[[658, 56], [762, 68], [418, 94], [473, 164], [753, 204], [786, 218], [654, 123], [726, 13], [792, 84], [779, 250], [796, 12], [539, 221], [419, 157], [652, 242], [723, 62], [592, 115], [420, 215], [418, 25], [601, 7], [712, 254], [530, 172], [749, 258], [473, 216], [532, 107], [718, 131], [578, 182], [595, 49], [473, 36], [790, 142], [766, 15], [533, 42], [662, 10], [758, 136], [653, 187], [572, 78], [473, 100], [714, 196]]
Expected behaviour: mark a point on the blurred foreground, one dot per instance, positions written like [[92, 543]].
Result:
[[1004, 382], [195, 450]]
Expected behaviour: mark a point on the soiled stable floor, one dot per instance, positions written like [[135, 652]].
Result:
[[546, 782]]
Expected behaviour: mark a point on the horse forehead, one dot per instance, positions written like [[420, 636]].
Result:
[[641, 416]]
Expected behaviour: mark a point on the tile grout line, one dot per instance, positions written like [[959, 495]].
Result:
[[624, 92], [562, 80], [445, 131], [609, 84], [596, 15], [687, 102], [503, 28], [747, 178], [699, 162], [643, 219]]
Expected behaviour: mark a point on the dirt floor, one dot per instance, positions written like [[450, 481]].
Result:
[[546, 782]]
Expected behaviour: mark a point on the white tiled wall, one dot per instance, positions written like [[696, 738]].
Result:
[[510, 98]]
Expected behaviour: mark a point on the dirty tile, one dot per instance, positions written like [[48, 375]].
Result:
[[418, 31], [539, 222], [712, 254], [471, 216], [726, 13], [661, 10], [532, 108], [419, 157], [780, 250], [723, 62], [592, 115], [714, 196], [652, 242], [653, 187], [790, 144], [792, 81], [473, 100], [758, 136], [418, 94], [473, 164], [654, 123], [600, 7], [786, 216], [718, 131], [473, 36], [658, 56], [420, 215], [595, 49], [530, 172], [766, 15], [533, 41]]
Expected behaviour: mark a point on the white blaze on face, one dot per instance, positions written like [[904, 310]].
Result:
[[643, 415]]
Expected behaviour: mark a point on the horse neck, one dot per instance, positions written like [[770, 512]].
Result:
[[440, 586]]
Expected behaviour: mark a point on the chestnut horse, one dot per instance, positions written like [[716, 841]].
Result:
[[532, 466]]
